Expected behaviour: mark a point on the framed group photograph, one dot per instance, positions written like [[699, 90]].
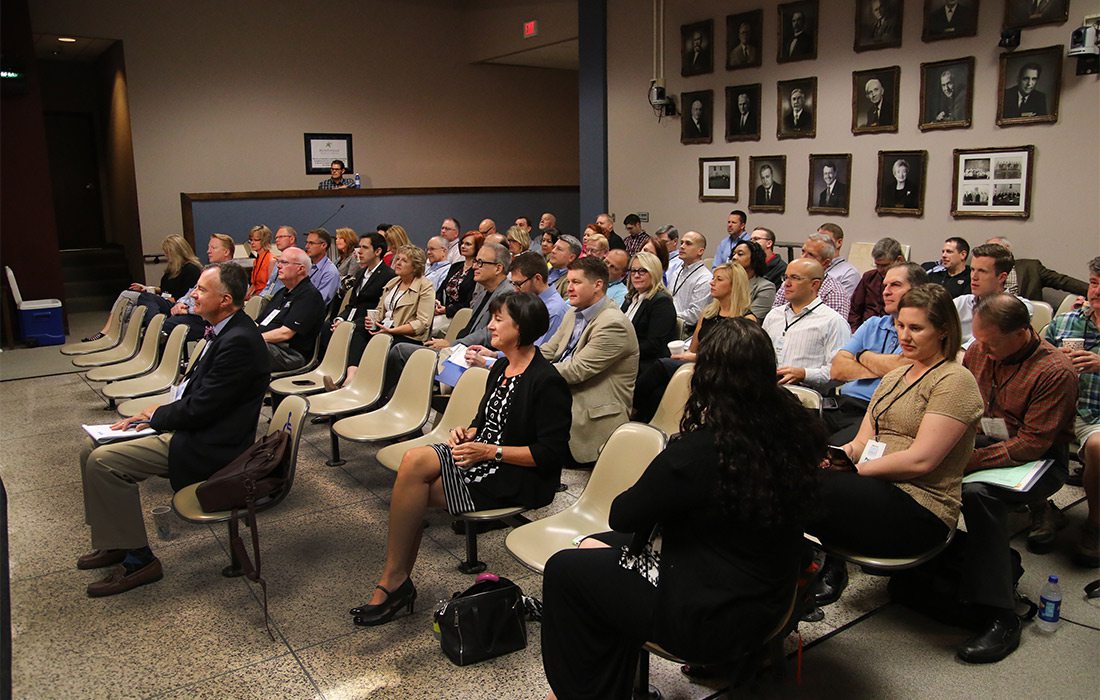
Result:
[[797, 31], [697, 48], [1029, 85], [901, 176], [830, 175], [878, 24], [1032, 13], [718, 179], [767, 181], [796, 107], [992, 182], [949, 19], [743, 112], [875, 100], [744, 32], [698, 118], [946, 100]]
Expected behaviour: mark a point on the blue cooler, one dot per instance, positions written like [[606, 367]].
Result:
[[40, 320]]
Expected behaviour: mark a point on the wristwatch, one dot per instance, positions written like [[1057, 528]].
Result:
[[500, 453]]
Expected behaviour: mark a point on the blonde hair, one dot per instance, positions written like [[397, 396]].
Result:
[[227, 242], [179, 253], [397, 237], [415, 255], [265, 235], [739, 299], [597, 242], [656, 274], [350, 239], [520, 235]]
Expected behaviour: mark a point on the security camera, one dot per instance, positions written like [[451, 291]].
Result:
[[657, 95], [1082, 42], [1010, 39]]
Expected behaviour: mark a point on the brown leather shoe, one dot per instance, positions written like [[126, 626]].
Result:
[[99, 558], [118, 581], [329, 384]]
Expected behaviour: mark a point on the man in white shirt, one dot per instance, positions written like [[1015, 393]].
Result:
[[438, 264], [990, 265], [805, 332], [691, 286], [840, 269], [450, 231]]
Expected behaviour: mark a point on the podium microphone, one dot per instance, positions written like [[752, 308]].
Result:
[[330, 218]]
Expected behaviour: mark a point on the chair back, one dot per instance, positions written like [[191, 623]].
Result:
[[860, 256], [346, 300], [252, 307], [624, 458], [671, 409], [810, 399], [14, 286], [150, 342], [372, 367], [121, 352], [291, 417], [1041, 315], [412, 397], [309, 366], [169, 367], [458, 322], [336, 355], [1067, 304], [195, 355], [709, 263]]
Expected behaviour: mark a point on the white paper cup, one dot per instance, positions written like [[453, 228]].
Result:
[[1073, 343], [676, 347], [372, 315], [162, 518]]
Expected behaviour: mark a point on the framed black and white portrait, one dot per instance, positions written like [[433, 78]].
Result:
[[901, 176], [946, 97], [743, 112], [696, 123], [797, 33], [949, 19], [992, 182], [796, 107], [718, 179], [1032, 13], [697, 48], [767, 183], [878, 24], [1030, 84], [829, 188], [875, 100], [744, 39]]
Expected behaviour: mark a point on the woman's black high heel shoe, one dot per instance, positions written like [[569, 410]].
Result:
[[370, 615]]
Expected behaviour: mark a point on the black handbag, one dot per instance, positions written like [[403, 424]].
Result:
[[486, 620]]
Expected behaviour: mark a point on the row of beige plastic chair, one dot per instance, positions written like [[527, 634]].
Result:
[[460, 320], [141, 363], [160, 379], [252, 307], [110, 339], [365, 388], [1067, 304], [671, 409], [334, 365], [1041, 315], [122, 351], [810, 399], [128, 409]]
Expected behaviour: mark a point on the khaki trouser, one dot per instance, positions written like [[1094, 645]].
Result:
[[111, 474]]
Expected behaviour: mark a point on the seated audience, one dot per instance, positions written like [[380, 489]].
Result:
[[487, 228], [1030, 393], [210, 424], [396, 237], [776, 266], [867, 299], [219, 250], [840, 269], [923, 414], [750, 256], [727, 497], [649, 308], [448, 231], [589, 234], [1029, 277], [519, 239], [564, 251], [323, 274], [548, 223], [511, 455], [346, 242], [263, 264], [438, 265], [819, 247], [457, 288], [657, 248], [691, 284], [285, 237], [596, 351], [617, 263], [607, 228], [635, 235], [669, 236], [952, 271], [291, 320], [597, 247], [805, 332], [735, 233], [989, 269], [871, 353]]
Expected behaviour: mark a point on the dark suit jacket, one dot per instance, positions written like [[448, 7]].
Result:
[[885, 116], [803, 48], [692, 131], [962, 19], [215, 419], [751, 124], [805, 120], [615, 241], [839, 197], [655, 326], [904, 199], [1032, 277], [777, 195], [1036, 104], [367, 298]]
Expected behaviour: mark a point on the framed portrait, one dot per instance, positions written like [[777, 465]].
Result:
[[949, 19], [830, 176], [767, 183], [697, 48], [946, 98], [992, 182], [878, 24], [718, 179], [744, 34], [698, 118], [901, 177], [875, 100], [1029, 86], [322, 149], [743, 112], [1032, 13], [797, 109], [797, 31]]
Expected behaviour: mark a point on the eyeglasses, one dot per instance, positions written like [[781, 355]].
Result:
[[517, 283], [638, 271], [309, 243], [482, 263], [284, 263]]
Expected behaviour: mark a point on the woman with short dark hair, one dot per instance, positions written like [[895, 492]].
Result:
[[751, 256]]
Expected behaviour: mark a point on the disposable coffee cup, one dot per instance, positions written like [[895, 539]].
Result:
[[372, 315], [1073, 344], [162, 518], [676, 347]]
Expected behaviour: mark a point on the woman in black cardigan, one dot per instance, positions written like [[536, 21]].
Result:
[[707, 544], [650, 308], [511, 456], [457, 288]]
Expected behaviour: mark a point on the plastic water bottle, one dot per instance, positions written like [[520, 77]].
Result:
[[1050, 605], [358, 182]]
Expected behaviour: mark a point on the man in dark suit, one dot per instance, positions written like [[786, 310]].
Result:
[[695, 126], [798, 42], [1023, 100], [798, 117], [744, 54], [949, 104], [768, 192], [366, 286], [835, 193], [744, 120], [954, 18], [212, 421], [879, 112]]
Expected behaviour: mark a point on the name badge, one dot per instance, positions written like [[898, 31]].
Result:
[[351, 314], [270, 317], [995, 428], [873, 450], [177, 390]]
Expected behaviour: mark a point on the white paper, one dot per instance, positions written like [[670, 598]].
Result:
[[103, 433]]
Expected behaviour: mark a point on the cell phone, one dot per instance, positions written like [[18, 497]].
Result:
[[840, 460], [829, 404]]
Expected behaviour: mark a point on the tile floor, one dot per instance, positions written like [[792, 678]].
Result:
[[198, 635]]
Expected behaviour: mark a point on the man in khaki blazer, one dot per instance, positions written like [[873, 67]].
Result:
[[596, 351]]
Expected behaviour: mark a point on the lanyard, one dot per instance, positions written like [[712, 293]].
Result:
[[787, 324], [995, 387], [681, 280], [904, 391], [394, 298]]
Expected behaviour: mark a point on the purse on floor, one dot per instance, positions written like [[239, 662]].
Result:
[[486, 620]]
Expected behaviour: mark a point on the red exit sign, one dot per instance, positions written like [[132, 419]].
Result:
[[530, 28]]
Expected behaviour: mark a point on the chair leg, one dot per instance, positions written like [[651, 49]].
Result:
[[642, 689], [234, 569], [471, 565], [111, 404], [335, 439]]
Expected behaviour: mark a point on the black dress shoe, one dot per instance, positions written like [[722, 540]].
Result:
[[994, 643], [402, 597], [833, 581]]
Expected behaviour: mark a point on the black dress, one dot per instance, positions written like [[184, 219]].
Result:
[[720, 589], [457, 289]]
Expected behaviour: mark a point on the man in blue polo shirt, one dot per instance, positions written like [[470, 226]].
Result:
[[871, 353]]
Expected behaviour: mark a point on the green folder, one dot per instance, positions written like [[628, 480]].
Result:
[[1019, 478]]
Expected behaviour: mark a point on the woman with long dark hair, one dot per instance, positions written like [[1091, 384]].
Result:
[[707, 544], [749, 255]]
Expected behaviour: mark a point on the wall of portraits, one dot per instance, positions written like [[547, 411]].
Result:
[[853, 111]]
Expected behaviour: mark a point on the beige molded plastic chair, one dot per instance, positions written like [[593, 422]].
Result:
[[461, 319], [1041, 315], [625, 456], [121, 352], [289, 416], [110, 339], [365, 388], [252, 307], [141, 363], [334, 365], [310, 363], [680, 329], [160, 379], [129, 409], [709, 263], [883, 565], [1067, 304], [404, 414], [809, 398], [671, 409]]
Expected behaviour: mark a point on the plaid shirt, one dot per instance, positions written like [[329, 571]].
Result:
[[831, 293], [330, 184], [1035, 398], [1081, 324]]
